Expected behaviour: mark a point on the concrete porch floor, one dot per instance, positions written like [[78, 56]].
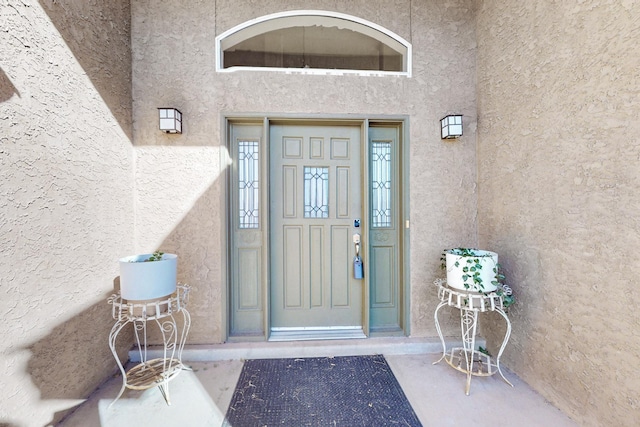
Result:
[[436, 392]]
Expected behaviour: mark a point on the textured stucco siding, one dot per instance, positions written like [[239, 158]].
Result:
[[559, 101], [66, 199], [182, 206]]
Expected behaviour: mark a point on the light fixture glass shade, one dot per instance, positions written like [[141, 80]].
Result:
[[170, 120], [451, 126]]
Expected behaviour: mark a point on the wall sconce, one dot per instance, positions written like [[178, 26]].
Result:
[[170, 120], [451, 126]]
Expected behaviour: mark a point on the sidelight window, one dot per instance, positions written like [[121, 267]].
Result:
[[381, 184], [248, 180]]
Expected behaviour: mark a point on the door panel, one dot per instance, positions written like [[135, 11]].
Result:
[[317, 242], [292, 277], [315, 195], [340, 270], [382, 274], [249, 295]]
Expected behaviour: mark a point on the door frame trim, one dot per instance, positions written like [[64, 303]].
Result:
[[364, 121]]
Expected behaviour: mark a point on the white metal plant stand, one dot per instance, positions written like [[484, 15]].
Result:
[[466, 358], [162, 312]]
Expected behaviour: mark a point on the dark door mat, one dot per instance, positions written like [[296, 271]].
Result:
[[321, 391]]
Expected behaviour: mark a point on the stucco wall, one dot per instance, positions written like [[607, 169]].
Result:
[[558, 195], [66, 204], [182, 206]]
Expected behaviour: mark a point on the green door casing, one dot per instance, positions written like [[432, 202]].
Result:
[[295, 198]]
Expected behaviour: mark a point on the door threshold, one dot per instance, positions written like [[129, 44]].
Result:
[[317, 333]]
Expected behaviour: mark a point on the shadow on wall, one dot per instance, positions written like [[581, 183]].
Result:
[[99, 36], [63, 355], [196, 239], [7, 90]]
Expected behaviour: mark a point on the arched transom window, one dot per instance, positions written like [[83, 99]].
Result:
[[313, 42]]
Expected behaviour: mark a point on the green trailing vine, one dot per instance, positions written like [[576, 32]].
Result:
[[484, 351], [471, 272], [156, 256]]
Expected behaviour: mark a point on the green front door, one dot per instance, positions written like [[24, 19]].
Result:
[[315, 202]]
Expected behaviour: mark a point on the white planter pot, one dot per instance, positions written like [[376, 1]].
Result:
[[141, 280], [456, 275]]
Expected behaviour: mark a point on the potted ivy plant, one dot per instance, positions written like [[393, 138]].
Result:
[[148, 276], [475, 270], [471, 269]]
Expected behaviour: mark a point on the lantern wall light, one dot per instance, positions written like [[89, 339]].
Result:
[[170, 120], [451, 126]]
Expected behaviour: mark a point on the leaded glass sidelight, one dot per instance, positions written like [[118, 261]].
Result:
[[316, 192], [381, 184], [248, 180]]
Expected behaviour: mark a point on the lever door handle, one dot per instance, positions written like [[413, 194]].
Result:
[[356, 241], [358, 267]]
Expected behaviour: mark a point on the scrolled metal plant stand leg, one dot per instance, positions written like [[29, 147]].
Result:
[[168, 328], [183, 338], [444, 346], [468, 324], [139, 325], [113, 335], [504, 344]]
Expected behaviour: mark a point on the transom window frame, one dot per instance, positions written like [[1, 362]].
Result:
[[270, 22]]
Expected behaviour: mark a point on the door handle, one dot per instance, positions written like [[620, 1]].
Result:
[[358, 267], [356, 241]]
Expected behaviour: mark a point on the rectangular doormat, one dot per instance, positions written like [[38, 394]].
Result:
[[323, 391]]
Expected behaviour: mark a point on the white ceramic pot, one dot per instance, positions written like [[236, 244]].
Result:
[[456, 276], [141, 280]]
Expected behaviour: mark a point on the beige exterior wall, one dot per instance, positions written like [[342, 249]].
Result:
[[558, 195], [66, 204], [181, 208]]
